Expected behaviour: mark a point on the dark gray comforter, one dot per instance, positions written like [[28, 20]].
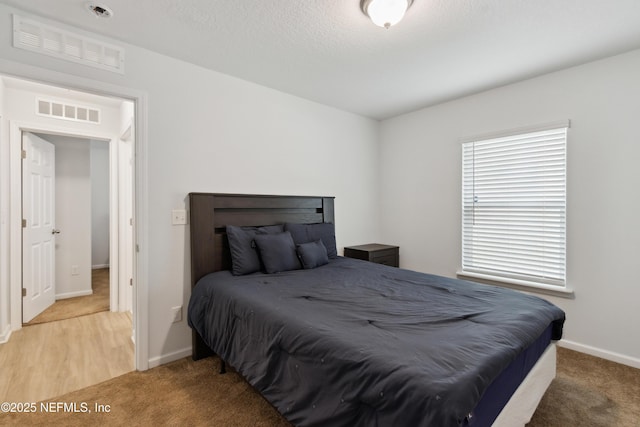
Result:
[[354, 343]]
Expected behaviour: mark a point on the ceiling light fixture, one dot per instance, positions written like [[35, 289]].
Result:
[[99, 10], [385, 13]]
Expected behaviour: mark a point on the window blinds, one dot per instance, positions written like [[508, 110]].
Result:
[[514, 206]]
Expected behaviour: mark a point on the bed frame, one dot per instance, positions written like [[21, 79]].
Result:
[[210, 213]]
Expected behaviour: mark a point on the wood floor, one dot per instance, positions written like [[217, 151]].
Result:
[[47, 360], [79, 306]]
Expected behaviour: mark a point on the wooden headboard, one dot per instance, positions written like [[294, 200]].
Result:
[[210, 213]]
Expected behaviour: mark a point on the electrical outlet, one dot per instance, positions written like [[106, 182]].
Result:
[[178, 217], [74, 270], [177, 314]]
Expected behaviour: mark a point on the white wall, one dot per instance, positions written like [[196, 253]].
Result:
[[215, 133], [73, 216], [420, 157], [126, 204], [99, 166]]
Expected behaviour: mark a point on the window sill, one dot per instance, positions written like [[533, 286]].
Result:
[[520, 285]]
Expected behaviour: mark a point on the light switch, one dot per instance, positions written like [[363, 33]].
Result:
[[178, 217]]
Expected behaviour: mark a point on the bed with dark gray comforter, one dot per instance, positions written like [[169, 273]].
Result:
[[354, 343]]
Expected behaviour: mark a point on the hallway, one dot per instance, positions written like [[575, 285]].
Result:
[[50, 359]]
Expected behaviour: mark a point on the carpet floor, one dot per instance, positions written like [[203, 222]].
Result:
[[588, 392], [69, 308]]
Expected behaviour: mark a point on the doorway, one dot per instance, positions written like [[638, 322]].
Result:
[[10, 195], [75, 219], [20, 121]]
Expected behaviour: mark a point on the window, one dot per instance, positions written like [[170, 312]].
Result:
[[514, 207]]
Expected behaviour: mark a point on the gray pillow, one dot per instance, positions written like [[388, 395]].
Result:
[[312, 254], [244, 255], [305, 233], [278, 252]]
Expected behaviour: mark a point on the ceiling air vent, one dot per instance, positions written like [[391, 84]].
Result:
[[35, 36], [67, 111]]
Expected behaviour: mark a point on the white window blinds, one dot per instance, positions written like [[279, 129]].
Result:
[[514, 206]]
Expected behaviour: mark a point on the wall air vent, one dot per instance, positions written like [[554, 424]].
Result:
[[67, 111], [37, 37]]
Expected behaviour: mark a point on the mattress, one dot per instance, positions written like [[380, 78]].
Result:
[[525, 400], [355, 343], [504, 385]]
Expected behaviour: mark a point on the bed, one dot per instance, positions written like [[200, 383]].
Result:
[[355, 343]]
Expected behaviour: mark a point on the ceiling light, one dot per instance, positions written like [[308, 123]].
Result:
[[385, 13], [99, 10]]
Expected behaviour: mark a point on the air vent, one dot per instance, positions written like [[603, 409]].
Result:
[[67, 111], [35, 36]]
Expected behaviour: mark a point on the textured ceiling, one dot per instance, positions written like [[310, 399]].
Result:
[[328, 51]]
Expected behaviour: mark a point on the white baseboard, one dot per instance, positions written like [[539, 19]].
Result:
[[99, 266], [5, 335], [603, 354], [74, 294], [170, 357]]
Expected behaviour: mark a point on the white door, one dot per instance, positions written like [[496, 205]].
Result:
[[38, 231], [128, 250], [125, 182]]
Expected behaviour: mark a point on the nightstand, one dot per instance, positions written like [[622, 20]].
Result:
[[375, 252]]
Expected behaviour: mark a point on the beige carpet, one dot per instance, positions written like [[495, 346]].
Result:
[[79, 306], [588, 392]]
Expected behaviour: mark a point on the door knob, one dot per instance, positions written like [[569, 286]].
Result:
[[55, 231]]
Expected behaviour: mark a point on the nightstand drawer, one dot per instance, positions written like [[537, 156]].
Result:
[[375, 252], [391, 260]]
